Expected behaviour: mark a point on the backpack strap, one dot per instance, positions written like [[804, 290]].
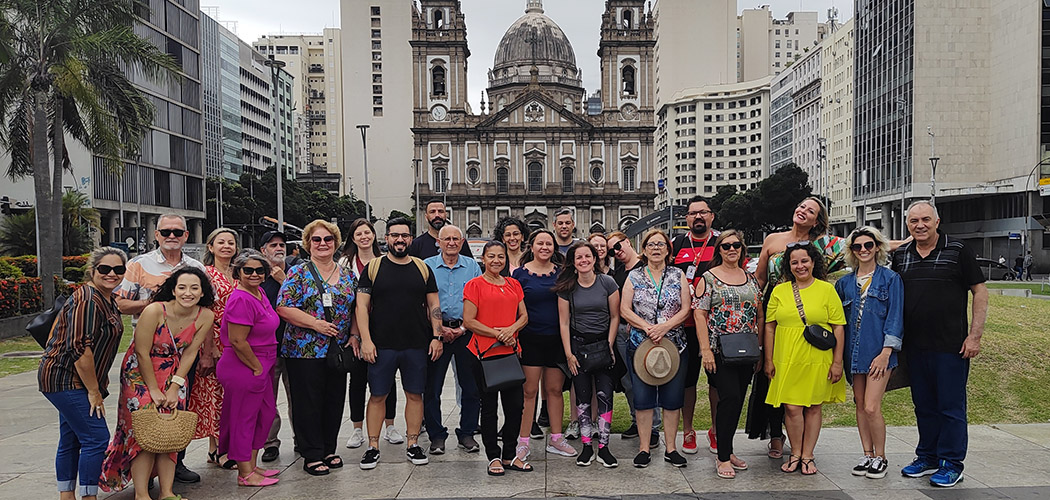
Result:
[[373, 268], [424, 269]]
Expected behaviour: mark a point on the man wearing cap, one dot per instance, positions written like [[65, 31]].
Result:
[[273, 246]]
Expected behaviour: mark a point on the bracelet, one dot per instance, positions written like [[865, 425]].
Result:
[[175, 379]]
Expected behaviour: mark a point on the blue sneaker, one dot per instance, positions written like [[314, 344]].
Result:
[[919, 467], [946, 476]]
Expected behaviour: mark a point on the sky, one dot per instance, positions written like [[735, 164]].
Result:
[[487, 21]]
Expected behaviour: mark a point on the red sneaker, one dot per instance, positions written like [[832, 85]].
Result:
[[689, 442], [713, 440]]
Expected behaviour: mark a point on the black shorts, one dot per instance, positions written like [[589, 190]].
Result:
[[541, 350], [692, 353]]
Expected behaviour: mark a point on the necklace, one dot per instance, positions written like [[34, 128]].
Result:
[[498, 285]]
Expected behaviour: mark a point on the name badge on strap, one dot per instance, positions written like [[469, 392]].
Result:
[[327, 299]]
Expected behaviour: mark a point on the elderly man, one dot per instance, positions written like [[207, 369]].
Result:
[[452, 272], [143, 278], [273, 245], [426, 245], [939, 272]]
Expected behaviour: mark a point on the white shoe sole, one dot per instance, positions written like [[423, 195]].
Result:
[[419, 461], [607, 465], [689, 451], [369, 466], [862, 472], [551, 449], [869, 475], [354, 444]]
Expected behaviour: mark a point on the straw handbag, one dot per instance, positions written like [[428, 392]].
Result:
[[158, 432]]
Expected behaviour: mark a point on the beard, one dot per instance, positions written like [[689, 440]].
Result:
[[699, 227], [437, 223], [399, 251]]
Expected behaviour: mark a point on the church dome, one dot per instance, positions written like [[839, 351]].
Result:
[[535, 39]]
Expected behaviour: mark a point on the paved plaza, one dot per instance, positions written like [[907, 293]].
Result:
[[1005, 461]]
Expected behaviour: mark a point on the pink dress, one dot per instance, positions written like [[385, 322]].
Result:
[[165, 356], [206, 393]]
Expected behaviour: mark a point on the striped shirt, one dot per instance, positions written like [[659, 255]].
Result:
[[89, 319], [147, 272]]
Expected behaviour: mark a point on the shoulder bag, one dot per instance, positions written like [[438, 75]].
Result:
[[591, 351], [338, 357], [41, 326], [816, 335], [737, 348], [499, 372]]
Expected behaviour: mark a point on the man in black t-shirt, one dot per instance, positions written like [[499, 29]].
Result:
[[399, 317], [939, 272], [425, 245]]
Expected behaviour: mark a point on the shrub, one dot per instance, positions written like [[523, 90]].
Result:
[[20, 296], [9, 270], [27, 263]]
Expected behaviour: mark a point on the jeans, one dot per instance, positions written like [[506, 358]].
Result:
[[627, 381], [938, 391], [82, 442], [470, 403]]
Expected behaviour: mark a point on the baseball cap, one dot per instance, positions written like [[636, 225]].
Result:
[[269, 235]]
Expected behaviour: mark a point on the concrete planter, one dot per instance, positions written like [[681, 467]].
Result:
[[15, 326]]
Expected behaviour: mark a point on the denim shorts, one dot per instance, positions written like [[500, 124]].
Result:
[[670, 396], [411, 362]]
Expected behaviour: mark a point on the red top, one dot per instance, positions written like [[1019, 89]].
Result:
[[497, 308]]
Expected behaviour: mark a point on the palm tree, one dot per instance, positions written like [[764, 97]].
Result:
[[68, 73]]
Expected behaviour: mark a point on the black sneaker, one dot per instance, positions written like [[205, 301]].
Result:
[[184, 475], [416, 456], [270, 454], [654, 440], [586, 456], [675, 459], [536, 432], [371, 459], [862, 466], [877, 469], [630, 433], [642, 459], [542, 419], [437, 447], [606, 458]]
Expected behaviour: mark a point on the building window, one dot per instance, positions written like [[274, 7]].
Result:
[[473, 174], [566, 180], [596, 174], [628, 80], [535, 177], [438, 80], [628, 179], [375, 11], [502, 180], [439, 19], [440, 179], [627, 19]]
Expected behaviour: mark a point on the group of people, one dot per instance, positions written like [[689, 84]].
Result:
[[591, 316]]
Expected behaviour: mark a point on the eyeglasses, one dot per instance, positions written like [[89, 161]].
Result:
[[868, 245], [736, 245], [400, 236], [452, 239], [797, 244], [248, 271], [169, 232], [699, 212], [104, 269], [617, 247], [653, 245], [326, 239]]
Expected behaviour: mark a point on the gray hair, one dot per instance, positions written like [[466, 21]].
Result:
[[457, 228], [97, 255], [565, 211], [927, 203], [882, 246], [248, 254], [172, 215]]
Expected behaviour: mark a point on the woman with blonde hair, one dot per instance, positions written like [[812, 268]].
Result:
[[873, 301]]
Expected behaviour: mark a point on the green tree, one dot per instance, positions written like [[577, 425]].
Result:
[[764, 209], [66, 74], [18, 234], [79, 220]]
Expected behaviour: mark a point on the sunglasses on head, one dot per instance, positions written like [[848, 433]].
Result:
[[736, 245], [104, 269], [326, 239], [867, 245], [248, 271], [169, 232], [797, 244]]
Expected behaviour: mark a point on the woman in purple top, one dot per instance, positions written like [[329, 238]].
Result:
[[248, 336]]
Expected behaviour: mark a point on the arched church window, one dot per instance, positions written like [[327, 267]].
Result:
[[502, 180], [439, 19], [626, 19], [535, 177], [438, 80], [473, 174], [628, 80], [566, 180]]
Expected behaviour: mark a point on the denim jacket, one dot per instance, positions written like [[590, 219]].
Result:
[[883, 321]]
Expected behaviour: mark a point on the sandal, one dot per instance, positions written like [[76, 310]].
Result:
[[808, 462], [725, 473], [175, 497], [265, 481], [316, 469], [496, 467], [333, 461], [267, 472], [513, 465], [771, 453], [213, 457], [792, 465], [741, 466]]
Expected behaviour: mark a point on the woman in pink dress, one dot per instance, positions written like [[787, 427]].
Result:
[[206, 393], [168, 334]]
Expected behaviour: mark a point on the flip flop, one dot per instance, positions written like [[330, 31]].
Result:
[[524, 467], [808, 461], [724, 473], [793, 464], [496, 467], [737, 467], [771, 453]]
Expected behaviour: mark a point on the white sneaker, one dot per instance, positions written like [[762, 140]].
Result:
[[357, 439], [393, 436]]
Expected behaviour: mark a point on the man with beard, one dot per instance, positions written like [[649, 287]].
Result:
[[564, 225], [693, 253], [399, 317], [425, 245], [273, 247]]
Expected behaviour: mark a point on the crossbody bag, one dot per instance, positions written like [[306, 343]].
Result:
[[592, 351], [816, 335]]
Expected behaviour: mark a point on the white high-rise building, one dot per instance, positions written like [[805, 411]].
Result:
[[808, 146], [836, 124], [696, 45], [767, 46]]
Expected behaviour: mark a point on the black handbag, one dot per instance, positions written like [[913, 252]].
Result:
[[739, 348], [592, 351], [816, 335], [41, 326], [338, 357], [499, 372]]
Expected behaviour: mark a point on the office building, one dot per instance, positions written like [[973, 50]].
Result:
[[808, 147], [767, 46], [781, 108], [836, 125], [696, 45]]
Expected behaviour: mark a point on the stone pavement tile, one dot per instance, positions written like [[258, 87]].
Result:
[[880, 494], [981, 438], [1036, 433], [29, 419], [1009, 468], [33, 485], [460, 479], [568, 479], [846, 440], [762, 474], [385, 481], [839, 472], [1023, 493], [779, 495], [965, 494]]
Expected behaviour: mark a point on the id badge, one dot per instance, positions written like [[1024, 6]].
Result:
[[661, 320], [326, 299], [690, 272]]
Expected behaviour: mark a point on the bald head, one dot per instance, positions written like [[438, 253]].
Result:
[[450, 240]]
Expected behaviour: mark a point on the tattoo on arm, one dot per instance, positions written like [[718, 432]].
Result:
[[435, 313]]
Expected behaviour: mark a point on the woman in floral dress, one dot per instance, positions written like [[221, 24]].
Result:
[[169, 333]]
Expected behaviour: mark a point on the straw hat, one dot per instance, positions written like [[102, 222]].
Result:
[[656, 364]]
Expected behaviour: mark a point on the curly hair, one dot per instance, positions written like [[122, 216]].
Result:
[[167, 290], [819, 269], [504, 223]]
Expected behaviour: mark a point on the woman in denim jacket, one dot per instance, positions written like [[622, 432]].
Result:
[[873, 300]]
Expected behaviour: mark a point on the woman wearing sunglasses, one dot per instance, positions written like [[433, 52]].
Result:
[[873, 300], [248, 335], [74, 373], [727, 301], [315, 302]]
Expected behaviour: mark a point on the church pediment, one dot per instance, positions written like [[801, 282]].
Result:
[[534, 108]]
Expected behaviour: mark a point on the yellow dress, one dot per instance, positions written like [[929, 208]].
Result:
[[801, 376]]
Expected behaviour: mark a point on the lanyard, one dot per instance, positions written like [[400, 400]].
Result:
[[660, 287], [696, 258]]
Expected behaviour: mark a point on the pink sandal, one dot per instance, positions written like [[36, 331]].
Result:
[[266, 481], [267, 472]]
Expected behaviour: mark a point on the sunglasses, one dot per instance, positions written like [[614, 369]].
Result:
[[797, 244], [169, 232], [248, 271], [326, 239], [617, 247], [868, 245], [736, 245], [104, 269]]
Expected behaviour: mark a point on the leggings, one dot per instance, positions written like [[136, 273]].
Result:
[[358, 385], [602, 382], [499, 441], [731, 382]]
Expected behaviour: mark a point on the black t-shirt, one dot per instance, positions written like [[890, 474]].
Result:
[[620, 272], [936, 290], [272, 287], [425, 246], [399, 318]]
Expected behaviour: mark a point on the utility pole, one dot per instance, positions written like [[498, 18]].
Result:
[[364, 148], [415, 188], [900, 161], [933, 168], [275, 67]]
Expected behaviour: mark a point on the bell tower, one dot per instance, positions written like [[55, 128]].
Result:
[[439, 61], [627, 49]]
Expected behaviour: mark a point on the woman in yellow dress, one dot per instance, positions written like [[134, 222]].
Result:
[[803, 377]]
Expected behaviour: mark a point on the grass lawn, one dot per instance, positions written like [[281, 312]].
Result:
[[19, 365], [1033, 286]]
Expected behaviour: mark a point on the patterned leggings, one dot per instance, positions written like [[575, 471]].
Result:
[[602, 382]]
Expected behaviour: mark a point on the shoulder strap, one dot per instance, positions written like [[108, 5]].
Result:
[[798, 302], [373, 268], [321, 288], [424, 269]]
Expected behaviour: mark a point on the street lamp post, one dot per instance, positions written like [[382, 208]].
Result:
[[822, 144], [275, 67], [1028, 204], [415, 187], [900, 160], [364, 148], [933, 168]]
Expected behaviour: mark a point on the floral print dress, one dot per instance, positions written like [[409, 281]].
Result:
[[300, 290], [732, 308], [206, 394], [165, 355]]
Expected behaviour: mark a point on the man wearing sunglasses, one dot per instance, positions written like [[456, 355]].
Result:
[[143, 278]]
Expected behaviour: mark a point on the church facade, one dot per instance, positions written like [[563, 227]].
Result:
[[534, 148]]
